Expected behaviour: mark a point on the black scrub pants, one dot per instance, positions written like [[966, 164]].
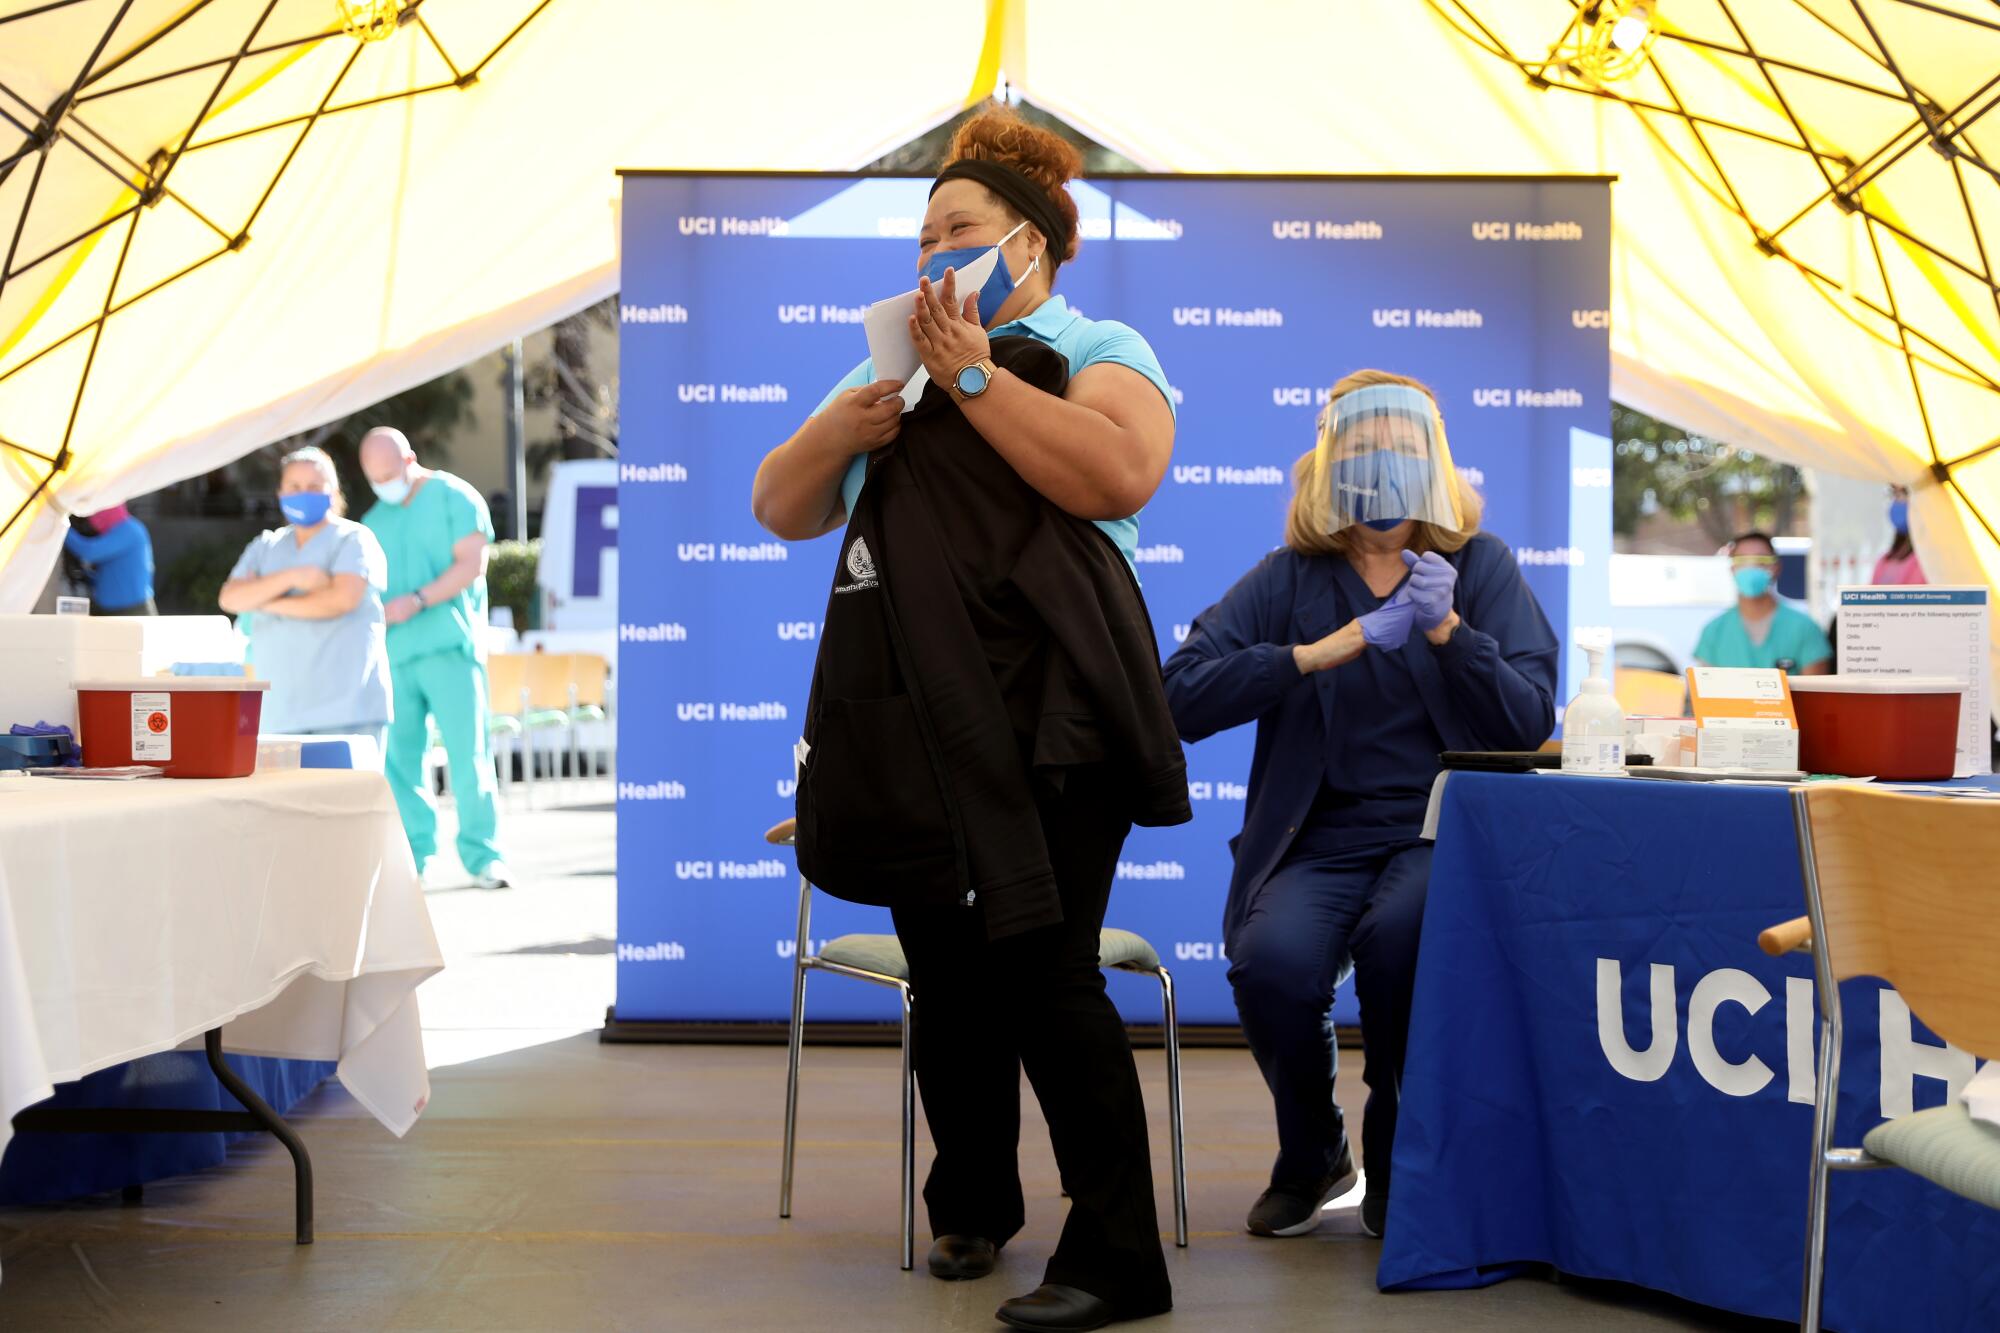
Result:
[[984, 1010]]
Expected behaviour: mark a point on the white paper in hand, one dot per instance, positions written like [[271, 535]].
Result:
[[887, 324]]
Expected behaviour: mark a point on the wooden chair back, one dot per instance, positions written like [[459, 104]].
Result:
[[1910, 886], [550, 676], [506, 677]]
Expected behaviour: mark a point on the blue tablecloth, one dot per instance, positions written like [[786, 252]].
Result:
[[1520, 1140], [48, 1168]]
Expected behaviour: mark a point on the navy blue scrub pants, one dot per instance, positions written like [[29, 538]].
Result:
[[1322, 906]]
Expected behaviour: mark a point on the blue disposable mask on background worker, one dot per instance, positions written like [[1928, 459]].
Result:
[[1899, 515], [305, 509], [1754, 581], [391, 492], [996, 286]]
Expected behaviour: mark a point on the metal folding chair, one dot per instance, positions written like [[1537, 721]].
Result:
[[879, 961]]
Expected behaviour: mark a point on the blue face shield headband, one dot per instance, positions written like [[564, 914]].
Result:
[[1383, 457]]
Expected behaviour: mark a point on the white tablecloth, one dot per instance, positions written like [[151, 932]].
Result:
[[135, 916]]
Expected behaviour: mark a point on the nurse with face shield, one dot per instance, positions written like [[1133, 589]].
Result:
[[1386, 630]]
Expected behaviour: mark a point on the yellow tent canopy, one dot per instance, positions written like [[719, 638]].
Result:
[[1807, 216]]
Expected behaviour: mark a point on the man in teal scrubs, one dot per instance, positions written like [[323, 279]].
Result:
[[1761, 631], [434, 529]]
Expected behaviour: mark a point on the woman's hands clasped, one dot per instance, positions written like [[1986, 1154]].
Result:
[[946, 330]]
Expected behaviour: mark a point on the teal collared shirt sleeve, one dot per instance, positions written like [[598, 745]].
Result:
[[857, 471], [1107, 342]]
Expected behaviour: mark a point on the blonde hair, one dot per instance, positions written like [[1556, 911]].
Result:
[[1306, 519]]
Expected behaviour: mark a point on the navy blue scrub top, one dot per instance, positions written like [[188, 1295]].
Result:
[[1382, 750]]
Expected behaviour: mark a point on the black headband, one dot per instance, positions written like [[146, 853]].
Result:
[[1020, 194]]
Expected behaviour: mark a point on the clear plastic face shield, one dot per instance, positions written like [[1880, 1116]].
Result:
[[1383, 457]]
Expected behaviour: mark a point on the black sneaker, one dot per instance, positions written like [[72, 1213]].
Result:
[[1280, 1211], [1375, 1211]]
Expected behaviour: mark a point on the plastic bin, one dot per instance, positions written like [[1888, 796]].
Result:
[[1899, 727], [189, 726]]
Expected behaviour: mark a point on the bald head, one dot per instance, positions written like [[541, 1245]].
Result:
[[386, 454]]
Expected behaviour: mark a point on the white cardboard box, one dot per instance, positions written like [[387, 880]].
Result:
[[42, 658]]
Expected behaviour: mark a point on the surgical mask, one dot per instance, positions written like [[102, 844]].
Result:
[[993, 285], [1394, 486], [1754, 581], [1899, 515], [305, 509], [391, 492]]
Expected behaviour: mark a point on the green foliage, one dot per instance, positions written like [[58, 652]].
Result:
[[189, 583], [510, 579], [1657, 467]]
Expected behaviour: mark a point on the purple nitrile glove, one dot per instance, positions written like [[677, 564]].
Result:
[[1432, 580], [1389, 626]]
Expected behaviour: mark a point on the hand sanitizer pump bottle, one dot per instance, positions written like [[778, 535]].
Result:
[[1594, 723]]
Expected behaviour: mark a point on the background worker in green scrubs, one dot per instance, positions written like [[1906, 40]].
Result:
[[1761, 630], [434, 528]]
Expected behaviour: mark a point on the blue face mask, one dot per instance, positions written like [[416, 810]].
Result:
[[306, 509], [391, 492], [1899, 515], [1754, 581], [999, 284], [1398, 481]]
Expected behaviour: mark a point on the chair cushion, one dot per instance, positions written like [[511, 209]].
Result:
[[1121, 948], [871, 953], [1945, 1146]]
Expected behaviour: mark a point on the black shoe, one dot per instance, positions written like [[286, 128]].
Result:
[[1280, 1211], [1375, 1211], [1049, 1307], [962, 1258]]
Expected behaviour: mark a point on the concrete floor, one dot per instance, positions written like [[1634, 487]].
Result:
[[556, 1184]]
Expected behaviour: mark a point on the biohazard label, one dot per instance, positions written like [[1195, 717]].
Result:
[[152, 727]]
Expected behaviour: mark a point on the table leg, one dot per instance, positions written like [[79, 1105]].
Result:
[[272, 1123]]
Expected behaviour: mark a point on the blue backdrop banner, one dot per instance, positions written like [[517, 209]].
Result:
[[741, 303]]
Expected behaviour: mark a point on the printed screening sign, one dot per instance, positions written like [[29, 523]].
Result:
[[742, 300]]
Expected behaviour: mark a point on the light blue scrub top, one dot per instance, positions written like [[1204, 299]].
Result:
[[326, 675], [1082, 342]]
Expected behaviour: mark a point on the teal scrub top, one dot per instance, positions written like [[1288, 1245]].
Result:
[[1795, 642], [1082, 342], [417, 536], [325, 675]]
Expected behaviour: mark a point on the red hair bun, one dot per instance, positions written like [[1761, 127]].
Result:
[[1043, 156]]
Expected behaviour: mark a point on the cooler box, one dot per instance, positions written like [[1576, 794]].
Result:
[[1903, 728], [189, 726], [42, 658]]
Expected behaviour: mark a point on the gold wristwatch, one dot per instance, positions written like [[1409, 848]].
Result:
[[972, 379]]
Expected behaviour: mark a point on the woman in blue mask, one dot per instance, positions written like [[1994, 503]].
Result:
[[1761, 630], [1385, 631], [310, 596], [999, 227]]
